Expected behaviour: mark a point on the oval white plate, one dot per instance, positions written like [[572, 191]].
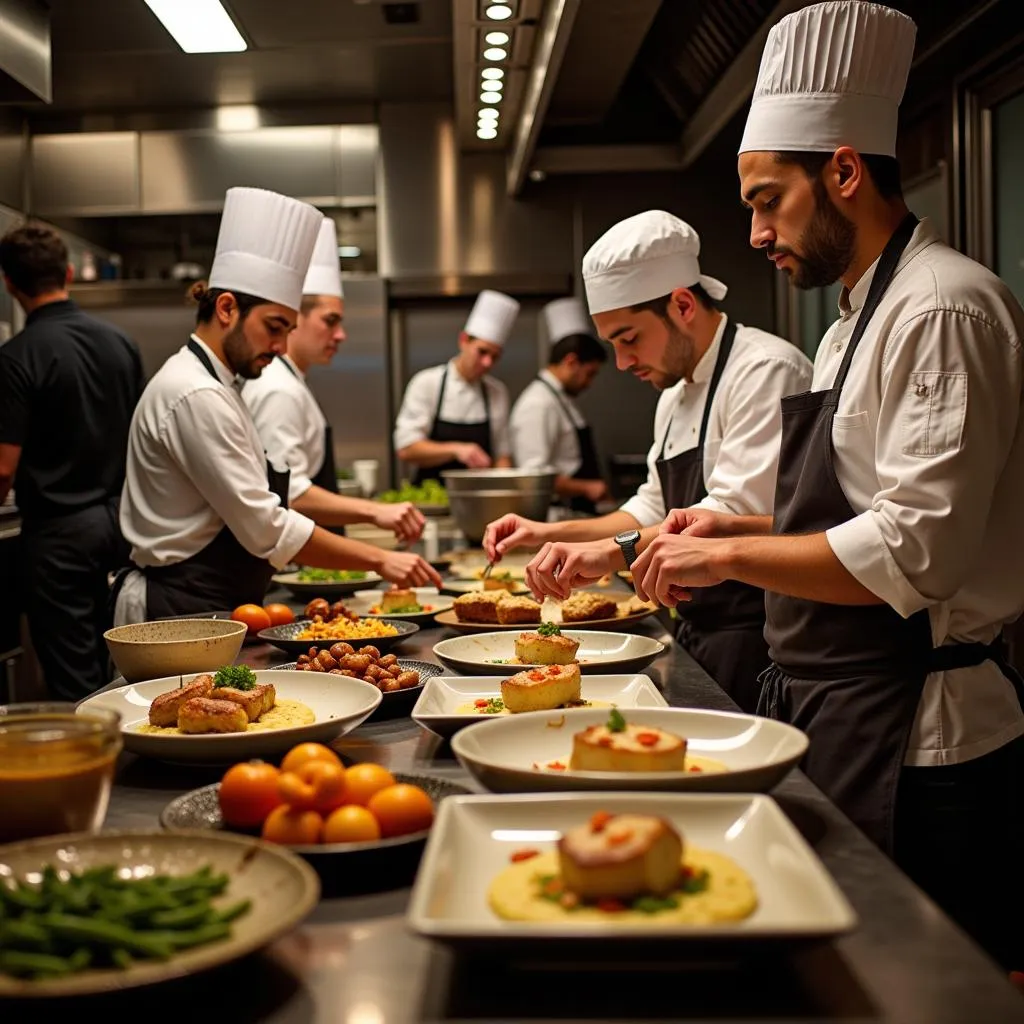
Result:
[[429, 597], [306, 590], [339, 703], [500, 753], [599, 652]]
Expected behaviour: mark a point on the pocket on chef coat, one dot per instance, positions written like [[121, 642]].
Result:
[[934, 410]]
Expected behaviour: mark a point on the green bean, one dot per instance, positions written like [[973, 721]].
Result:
[[121, 958], [235, 911], [183, 917], [106, 933], [22, 934], [196, 937], [23, 896], [16, 961], [80, 959]]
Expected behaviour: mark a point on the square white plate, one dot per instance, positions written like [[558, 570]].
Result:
[[438, 706], [474, 836]]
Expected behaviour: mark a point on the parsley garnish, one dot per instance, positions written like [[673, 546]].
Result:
[[696, 882], [616, 723], [494, 706], [240, 677], [548, 629], [653, 904]]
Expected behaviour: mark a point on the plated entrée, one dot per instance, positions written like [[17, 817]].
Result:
[[477, 610]]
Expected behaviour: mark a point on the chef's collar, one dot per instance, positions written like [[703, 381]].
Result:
[[706, 364], [548, 376], [224, 375], [291, 362], [454, 367]]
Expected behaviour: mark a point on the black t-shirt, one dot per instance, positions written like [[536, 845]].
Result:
[[68, 387]]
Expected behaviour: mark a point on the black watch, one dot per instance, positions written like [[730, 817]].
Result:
[[627, 541]]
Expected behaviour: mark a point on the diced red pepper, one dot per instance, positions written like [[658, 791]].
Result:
[[696, 768], [556, 766], [618, 838], [688, 872], [521, 855], [554, 670], [610, 906], [480, 703], [647, 739], [536, 676], [604, 741], [598, 821], [553, 887]]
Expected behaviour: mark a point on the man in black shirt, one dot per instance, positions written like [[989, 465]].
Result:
[[68, 387]]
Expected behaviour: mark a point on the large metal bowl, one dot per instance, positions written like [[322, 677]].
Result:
[[478, 497]]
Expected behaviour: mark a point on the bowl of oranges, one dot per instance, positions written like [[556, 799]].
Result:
[[331, 814]]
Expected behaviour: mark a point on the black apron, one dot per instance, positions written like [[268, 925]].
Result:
[[721, 627], [326, 476], [222, 575], [850, 676], [590, 464], [463, 433]]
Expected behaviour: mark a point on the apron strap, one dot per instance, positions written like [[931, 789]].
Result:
[[288, 366], [561, 401], [198, 352], [440, 401]]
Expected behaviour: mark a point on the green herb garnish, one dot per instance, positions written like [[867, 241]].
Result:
[[695, 882], [548, 629], [494, 706], [406, 609], [616, 723], [430, 492], [331, 575], [654, 904], [241, 677]]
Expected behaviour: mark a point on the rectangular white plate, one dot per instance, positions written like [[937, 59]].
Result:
[[440, 698], [474, 836]]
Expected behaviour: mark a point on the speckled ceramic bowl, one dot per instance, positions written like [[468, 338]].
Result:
[[170, 647]]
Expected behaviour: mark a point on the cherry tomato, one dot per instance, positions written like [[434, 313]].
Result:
[[248, 793], [254, 617], [279, 614], [401, 809], [304, 752], [292, 827]]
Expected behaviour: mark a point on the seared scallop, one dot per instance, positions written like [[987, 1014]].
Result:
[[205, 714], [164, 709]]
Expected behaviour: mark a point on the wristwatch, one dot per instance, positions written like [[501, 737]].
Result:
[[627, 541]]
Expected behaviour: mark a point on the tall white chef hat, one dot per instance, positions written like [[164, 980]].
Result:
[[642, 258], [264, 245], [324, 274], [832, 75], [564, 317], [492, 317]]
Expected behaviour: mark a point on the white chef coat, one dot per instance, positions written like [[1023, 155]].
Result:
[[929, 449], [196, 464], [741, 448], [543, 427], [463, 403], [290, 422]]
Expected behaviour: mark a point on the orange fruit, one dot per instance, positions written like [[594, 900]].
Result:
[[363, 780], [350, 824], [288, 826], [248, 793], [305, 752], [279, 614], [401, 809], [316, 786], [254, 617]]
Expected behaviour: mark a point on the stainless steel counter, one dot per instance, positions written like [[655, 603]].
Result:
[[354, 962]]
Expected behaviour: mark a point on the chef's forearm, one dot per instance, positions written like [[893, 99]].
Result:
[[570, 487], [748, 526], [329, 509], [600, 528], [327, 550], [428, 453]]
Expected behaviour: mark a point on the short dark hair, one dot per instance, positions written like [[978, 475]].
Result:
[[659, 306], [205, 299], [585, 347], [35, 259], [884, 170], [308, 304]]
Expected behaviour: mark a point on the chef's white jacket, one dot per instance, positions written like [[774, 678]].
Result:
[[289, 421], [195, 464], [929, 450], [543, 428], [463, 403], [741, 449]]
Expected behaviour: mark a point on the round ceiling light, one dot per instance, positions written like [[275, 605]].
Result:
[[495, 53], [490, 97], [487, 114], [486, 133], [499, 12], [497, 38], [493, 73]]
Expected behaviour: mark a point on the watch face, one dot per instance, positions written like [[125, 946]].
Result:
[[627, 537]]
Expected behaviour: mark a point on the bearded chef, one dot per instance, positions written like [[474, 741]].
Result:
[[455, 416], [896, 549], [546, 426], [291, 424], [205, 514], [716, 433]]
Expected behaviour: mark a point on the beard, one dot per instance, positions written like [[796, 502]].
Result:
[[828, 244], [678, 359], [239, 356]]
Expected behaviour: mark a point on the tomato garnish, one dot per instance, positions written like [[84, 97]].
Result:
[[536, 676], [521, 855], [618, 838], [556, 766], [610, 906], [647, 739], [696, 768], [480, 703], [598, 821]]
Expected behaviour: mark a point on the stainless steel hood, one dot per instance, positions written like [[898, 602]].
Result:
[[24, 52]]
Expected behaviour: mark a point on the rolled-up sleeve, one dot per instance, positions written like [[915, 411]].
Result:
[[416, 415], [278, 420], [950, 404], [534, 431], [226, 471]]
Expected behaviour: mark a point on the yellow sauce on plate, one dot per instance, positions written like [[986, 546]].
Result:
[[693, 763], [285, 714], [471, 708]]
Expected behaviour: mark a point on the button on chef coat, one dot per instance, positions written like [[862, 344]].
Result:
[[196, 464], [543, 427], [741, 449], [929, 450], [463, 403], [290, 422]]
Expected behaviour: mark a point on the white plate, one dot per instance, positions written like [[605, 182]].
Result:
[[500, 753], [438, 706], [474, 836], [306, 590], [429, 597], [475, 586], [482, 653], [339, 703]]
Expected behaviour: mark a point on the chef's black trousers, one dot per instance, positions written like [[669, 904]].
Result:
[[63, 567], [959, 834], [733, 657]]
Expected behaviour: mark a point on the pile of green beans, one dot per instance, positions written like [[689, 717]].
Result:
[[99, 919]]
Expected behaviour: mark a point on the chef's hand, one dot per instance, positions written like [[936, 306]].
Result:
[[671, 564], [595, 490], [557, 569], [697, 522], [472, 456], [511, 532], [404, 520], [408, 570]]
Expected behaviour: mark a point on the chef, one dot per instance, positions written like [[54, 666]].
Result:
[[206, 515], [291, 424], [716, 433], [455, 416], [896, 551], [546, 426]]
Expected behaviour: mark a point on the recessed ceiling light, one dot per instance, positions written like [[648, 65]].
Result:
[[493, 73], [499, 12], [486, 133], [487, 114], [490, 97], [495, 53], [200, 26], [493, 84], [496, 38], [349, 252]]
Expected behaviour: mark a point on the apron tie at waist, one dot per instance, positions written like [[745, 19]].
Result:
[[953, 656]]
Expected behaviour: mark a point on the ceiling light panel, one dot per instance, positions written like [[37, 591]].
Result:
[[199, 26]]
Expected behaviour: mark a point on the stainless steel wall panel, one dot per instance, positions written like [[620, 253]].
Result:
[[357, 158], [93, 174], [25, 52]]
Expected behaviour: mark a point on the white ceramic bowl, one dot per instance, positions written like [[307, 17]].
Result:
[[148, 650], [501, 753]]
